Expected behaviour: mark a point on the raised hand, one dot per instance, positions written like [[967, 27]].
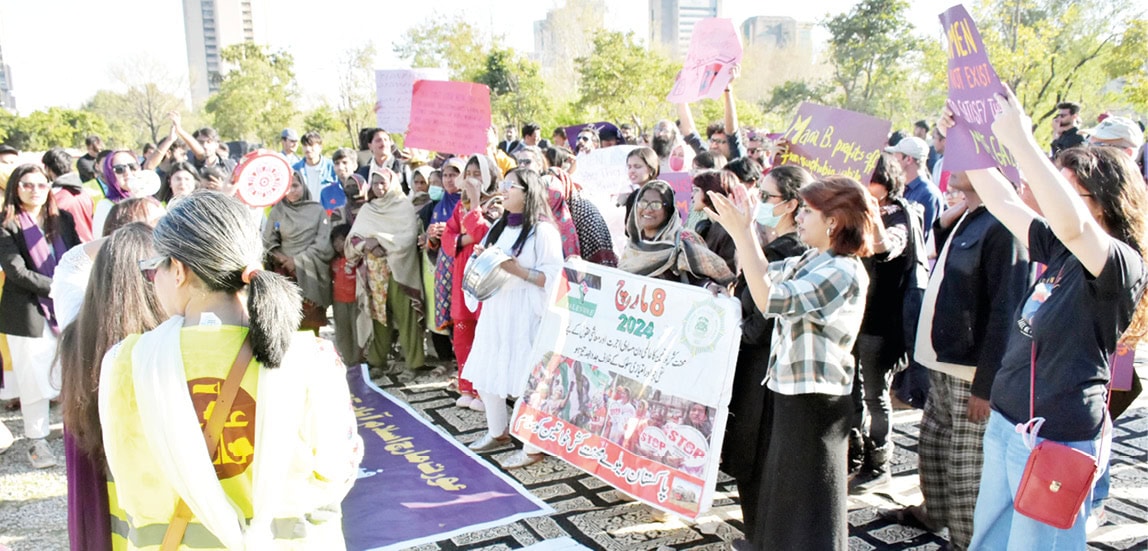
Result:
[[1012, 126]]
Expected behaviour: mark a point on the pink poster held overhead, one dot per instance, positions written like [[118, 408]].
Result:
[[714, 47], [449, 117], [828, 141], [683, 186], [973, 82]]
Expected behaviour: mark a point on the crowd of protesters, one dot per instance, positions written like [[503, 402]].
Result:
[[990, 301]]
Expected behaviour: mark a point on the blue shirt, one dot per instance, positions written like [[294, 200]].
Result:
[[923, 192]]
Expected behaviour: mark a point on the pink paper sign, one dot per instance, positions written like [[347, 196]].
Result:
[[828, 141], [449, 117], [683, 187], [970, 144], [714, 47]]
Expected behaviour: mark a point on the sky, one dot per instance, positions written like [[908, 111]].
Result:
[[62, 52]]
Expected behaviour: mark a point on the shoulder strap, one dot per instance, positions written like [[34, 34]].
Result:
[[212, 431]]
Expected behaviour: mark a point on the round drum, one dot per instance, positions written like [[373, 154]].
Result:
[[262, 178], [484, 276]]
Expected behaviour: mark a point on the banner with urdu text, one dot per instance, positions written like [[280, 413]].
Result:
[[631, 383]]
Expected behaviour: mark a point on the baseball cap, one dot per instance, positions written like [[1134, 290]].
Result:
[[1118, 131], [289, 134], [912, 146]]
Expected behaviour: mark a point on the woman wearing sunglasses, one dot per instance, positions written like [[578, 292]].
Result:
[[499, 362], [33, 237], [122, 178], [288, 450]]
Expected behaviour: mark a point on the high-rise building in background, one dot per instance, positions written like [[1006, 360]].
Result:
[[566, 34], [212, 25], [672, 23], [7, 100], [782, 33]]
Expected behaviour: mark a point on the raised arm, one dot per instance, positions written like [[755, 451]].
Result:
[[735, 214], [736, 147], [192, 143]]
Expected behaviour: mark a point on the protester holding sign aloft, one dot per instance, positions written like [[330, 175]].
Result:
[[818, 299], [500, 360], [1090, 234]]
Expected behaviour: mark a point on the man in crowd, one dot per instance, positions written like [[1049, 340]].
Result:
[[68, 190], [381, 147], [86, 165], [318, 171], [290, 144], [1066, 127], [509, 144], [1119, 132], [531, 137], [608, 137], [981, 275], [204, 145], [921, 130], [587, 140], [911, 153]]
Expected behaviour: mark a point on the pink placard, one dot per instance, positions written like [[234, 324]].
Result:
[[449, 117], [828, 141], [714, 47], [683, 187]]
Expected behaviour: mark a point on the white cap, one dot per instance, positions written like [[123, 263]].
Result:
[[912, 146], [1118, 131]]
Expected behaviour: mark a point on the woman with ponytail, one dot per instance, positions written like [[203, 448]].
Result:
[[287, 451]]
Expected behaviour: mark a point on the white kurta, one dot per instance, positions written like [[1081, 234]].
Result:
[[500, 362]]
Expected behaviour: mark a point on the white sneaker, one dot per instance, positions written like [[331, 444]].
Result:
[[477, 405], [6, 438], [40, 455], [464, 401]]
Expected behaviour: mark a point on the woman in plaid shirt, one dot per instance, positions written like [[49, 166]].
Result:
[[818, 300]]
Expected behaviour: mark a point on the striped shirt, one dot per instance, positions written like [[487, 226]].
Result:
[[818, 299]]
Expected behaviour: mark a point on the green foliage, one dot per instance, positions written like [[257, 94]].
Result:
[[621, 81], [871, 49], [517, 92], [254, 101], [451, 42], [325, 120], [57, 126], [788, 95], [134, 117]]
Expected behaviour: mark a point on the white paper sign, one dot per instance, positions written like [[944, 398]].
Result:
[[393, 89]]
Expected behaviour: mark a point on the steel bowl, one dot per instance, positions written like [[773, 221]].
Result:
[[483, 276]]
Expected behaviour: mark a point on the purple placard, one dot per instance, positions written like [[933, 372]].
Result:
[[1122, 368], [828, 141], [683, 187], [419, 485], [970, 144], [572, 132]]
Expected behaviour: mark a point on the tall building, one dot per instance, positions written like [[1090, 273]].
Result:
[[212, 25], [566, 34], [7, 100], [672, 23], [782, 33]]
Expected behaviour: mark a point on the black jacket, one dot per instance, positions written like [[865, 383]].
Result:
[[987, 275], [19, 304]]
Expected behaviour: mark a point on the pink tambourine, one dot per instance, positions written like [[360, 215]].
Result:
[[262, 178]]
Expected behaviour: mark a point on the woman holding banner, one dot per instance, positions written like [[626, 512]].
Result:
[[818, 300], [499, 363]]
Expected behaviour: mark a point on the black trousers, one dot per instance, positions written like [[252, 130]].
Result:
[[803, 504]]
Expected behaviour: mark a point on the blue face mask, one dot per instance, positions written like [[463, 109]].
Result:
[[435, 193], [765, 216]]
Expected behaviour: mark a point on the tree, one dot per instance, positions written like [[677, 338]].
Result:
[[325, 120], [871, 49], [451, 42], [356, 91], [113, 107], [254, 101], [152, 93], [42, 130], [622, 80], [517, 92]]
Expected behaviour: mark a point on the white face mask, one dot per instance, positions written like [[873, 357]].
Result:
[[765, 215]]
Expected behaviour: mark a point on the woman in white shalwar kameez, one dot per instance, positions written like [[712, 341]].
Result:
[[499, 363]]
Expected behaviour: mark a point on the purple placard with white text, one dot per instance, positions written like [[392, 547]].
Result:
[[973, 82], [828, 141]]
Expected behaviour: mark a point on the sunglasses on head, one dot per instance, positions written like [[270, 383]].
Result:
[[121, 169], [149, 267]]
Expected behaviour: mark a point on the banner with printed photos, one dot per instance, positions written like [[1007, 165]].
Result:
[[632, 383]]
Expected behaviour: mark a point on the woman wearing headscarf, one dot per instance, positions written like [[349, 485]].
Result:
[[385, 239], [478, 208], [444, 264], [33, 237], [297, 239], [122, 178], [594, 241], [440, 337], [659, 246]]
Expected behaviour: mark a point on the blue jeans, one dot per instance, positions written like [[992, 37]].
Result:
[[996, 525]]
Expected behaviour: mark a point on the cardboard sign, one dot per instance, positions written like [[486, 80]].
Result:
[[449, 117], [972, 83], [828, 141], [631, 382], [393, 89], [602, 175], [714, 47]]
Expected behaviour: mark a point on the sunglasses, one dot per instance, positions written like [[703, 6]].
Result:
[[149, 267], [38, 186], [121, 169], [583, 138], [654, 205], [507, 184]]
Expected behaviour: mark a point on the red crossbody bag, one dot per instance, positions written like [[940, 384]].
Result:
[[1057, 478]]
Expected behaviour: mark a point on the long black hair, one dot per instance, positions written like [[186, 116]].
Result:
[[13, 206], [535, 210], [217, 238]]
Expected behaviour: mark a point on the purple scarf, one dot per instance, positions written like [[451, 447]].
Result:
[[113, 192], [43, 260]]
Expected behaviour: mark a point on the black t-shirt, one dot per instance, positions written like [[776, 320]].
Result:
[[86, 166], [1077, 320]]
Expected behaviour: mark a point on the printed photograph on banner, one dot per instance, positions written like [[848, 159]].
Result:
[[828, 141], [631, 383]]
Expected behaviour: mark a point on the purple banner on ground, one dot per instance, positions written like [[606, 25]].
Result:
[[417, 484], [970, 144], [828, 141]]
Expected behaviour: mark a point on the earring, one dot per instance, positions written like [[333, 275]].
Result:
[[828, 232]]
